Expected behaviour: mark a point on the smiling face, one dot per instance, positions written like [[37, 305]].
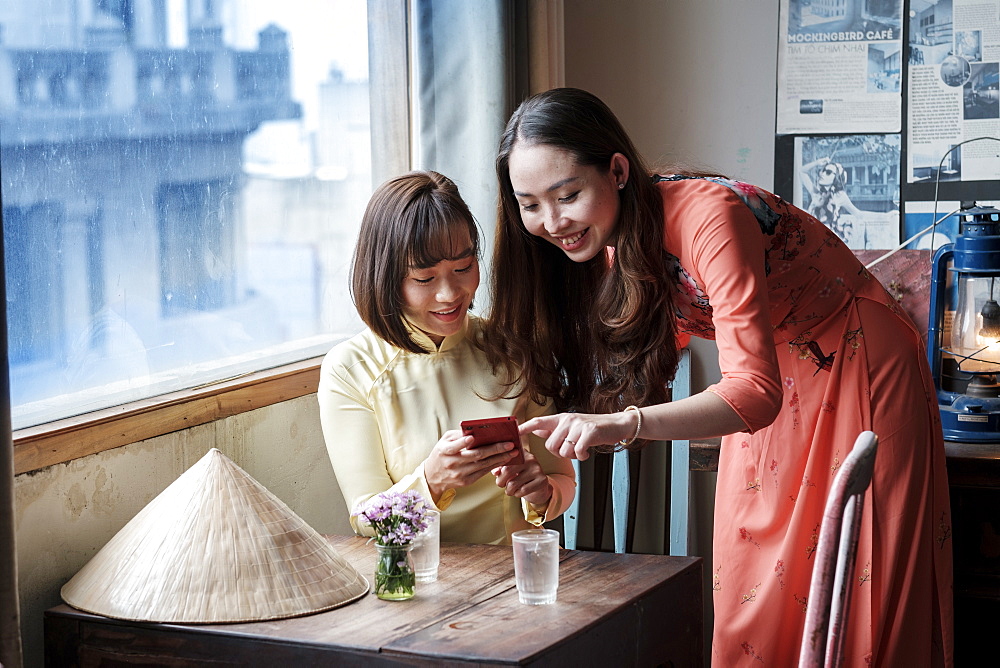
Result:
[[570, 205], [436, 298]]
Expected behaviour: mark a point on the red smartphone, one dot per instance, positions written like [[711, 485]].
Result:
[[495, 430]]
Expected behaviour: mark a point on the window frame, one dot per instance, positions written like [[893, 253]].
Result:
[[70, 438]]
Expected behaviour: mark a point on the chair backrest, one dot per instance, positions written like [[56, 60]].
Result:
[[829, 589], [624, 494]]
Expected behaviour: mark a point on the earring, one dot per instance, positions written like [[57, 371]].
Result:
[[621, 186]]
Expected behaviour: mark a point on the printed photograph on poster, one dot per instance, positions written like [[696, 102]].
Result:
[[883, 67], [979, 93], [954, 77], [840, 66], [919, 228], [973, 159], [931, 34], [846, 19], [935, 161], [921, 215], [851, 184]]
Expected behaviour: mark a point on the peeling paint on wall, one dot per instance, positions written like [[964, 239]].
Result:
[[65, 513]]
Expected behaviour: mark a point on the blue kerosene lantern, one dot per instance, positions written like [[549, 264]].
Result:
[[963, 337]]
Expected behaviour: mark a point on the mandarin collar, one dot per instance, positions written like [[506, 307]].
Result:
[[427, 344]]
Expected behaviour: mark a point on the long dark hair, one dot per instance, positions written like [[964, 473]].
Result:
[[409, 222], [598, 335]]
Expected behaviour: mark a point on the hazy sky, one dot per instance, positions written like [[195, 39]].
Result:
[[321, 33]]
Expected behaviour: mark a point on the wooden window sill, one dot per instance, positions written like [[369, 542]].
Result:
[[71, 438], [82, 435]]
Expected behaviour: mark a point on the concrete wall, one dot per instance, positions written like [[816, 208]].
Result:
[[65, 513]]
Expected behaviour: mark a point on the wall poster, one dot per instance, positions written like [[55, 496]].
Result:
[[919, 229], [851, 184], [953, 101], [839, 66]]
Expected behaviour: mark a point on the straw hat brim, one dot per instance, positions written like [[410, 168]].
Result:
[[214, 547]]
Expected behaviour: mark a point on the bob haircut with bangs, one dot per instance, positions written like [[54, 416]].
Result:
[[410, 222]]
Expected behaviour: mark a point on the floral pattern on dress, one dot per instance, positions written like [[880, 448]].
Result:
[[748, 537], [788, 230], [749, 651], [944, 531], [813, 542], [693, 311], [853, 338], [793, 404], [808, 348], [751, 195], [817, 293], [794, 319], [751, 595], [779, 572]]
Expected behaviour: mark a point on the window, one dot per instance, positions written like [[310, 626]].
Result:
[[35, 340], [181, 184], [197, 247]]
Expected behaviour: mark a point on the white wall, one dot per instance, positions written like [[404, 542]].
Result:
[[65, 513], [693, 81]]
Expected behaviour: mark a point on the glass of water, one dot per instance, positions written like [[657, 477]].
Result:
[[425, 549], [536, 565]]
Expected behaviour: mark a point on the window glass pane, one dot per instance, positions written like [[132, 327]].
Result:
[[182, 182]]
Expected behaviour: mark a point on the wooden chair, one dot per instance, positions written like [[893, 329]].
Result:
[[833, 573], [624, 495]]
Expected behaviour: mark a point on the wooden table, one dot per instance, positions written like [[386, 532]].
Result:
[[612, 609]]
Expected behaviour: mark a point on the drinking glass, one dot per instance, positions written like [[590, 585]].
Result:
[[426, 549], [536, 565]]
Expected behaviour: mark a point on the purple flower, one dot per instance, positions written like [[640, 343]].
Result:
[[396, 517]]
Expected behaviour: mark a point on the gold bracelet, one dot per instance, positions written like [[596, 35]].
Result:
[[627, 442]]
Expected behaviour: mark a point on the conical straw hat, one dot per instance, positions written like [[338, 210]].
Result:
[[214, 546]]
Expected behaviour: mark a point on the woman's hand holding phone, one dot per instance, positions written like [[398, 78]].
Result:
[[454, 462], [490, 431], [522, 476]]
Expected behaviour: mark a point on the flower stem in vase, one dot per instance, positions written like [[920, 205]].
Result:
[[395, 579]]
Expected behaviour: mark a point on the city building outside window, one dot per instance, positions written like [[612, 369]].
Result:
[[182, 182]]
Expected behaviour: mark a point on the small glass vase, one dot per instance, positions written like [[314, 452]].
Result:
[[395, 578]]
